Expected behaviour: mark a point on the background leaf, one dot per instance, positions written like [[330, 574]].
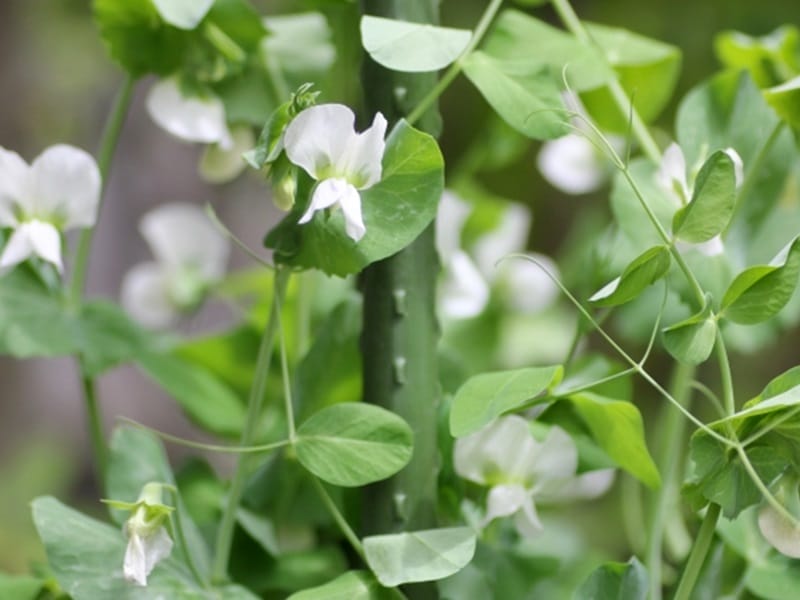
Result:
[[615, 581], [353, 585]]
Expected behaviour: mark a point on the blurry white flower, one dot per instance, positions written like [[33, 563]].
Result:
[[190, 257], [522, 471], [322, 140], [671, 175], [464, 293], [218, 164], [148, 540], [777, 529], [60, 190], [190, 118], [572, 164]]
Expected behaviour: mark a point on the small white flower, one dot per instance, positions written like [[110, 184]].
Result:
[[522, 471], [60, 190], [572, 164], [148, 540], [190, 256], [671, 175], [322, 140], [190, 118]]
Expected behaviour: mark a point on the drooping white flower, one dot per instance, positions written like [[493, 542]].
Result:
[[522, 471], [322, 140], [190, 256], [190, 118], [60, 190]]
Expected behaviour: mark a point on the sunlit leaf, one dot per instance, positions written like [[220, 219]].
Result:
[[184, 14], [692, 340], [353, 585], [645, 269]]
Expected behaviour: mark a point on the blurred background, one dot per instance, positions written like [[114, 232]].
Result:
[[57, 84]]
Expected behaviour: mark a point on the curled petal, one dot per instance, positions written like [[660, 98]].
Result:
[[145, 296], [65, 185], [571, 164], [33, 238], [330, 192], [316, 138], [505, 500], [182, 236], [193, 119], [464, 293], [14, 186], [738, 166]]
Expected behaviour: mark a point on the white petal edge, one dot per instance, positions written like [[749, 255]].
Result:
[[572, 165], [363, 155], [14, 186], [350, 201], [193, 119], [144, 296], [463, 293], [738, 166], [316, 139], [182, 236], [33, 238], [65, 185], [183, 14], [134, 565]]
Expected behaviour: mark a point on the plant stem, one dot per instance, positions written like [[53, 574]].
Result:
[[455, 69], [347, 531], [669, 453], [95, 424], [105, 157], [254, 405], [698, 555], [574, 25]]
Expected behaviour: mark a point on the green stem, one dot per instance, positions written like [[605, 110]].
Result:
[[287, 386], [455, 69], [177, 525], [254, 405], [698, 555], [640, 131], [347, 531], [108, 146], [95, 425], [669, 453]]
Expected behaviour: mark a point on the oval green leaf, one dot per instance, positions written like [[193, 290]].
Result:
[[411, 47], [484, 397], [419, 555], [353, 585], [713, 200], [353, 444], [758, 293], [692, 340], [644, 270]]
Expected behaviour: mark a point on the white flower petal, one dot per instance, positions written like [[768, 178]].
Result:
[[14, 186], [779, 531], [317, 138], [505, 500], [327, 193], [193, 119], [526, 287], [134, 565], [156, 547], [33, 238], [450, 218], [17, 249], [671, 174], [556, 461], [184, 14], [65, 185], [527, 520], [572, 164], [182, 236], [363, 154], [218, 164], [582, 487], [145, 296], [350, 201], [463, 293], [509, 237]]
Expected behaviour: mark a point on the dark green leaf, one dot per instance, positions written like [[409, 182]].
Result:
[[615, 581], [645, 269]]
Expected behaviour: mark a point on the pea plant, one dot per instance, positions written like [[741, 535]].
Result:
[[416, 405]]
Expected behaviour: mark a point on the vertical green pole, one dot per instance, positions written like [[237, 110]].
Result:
[[400, 328]]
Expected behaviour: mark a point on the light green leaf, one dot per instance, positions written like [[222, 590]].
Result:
[[411, 47], [773, 578], [353, 585], [20, 587], [419, 555], [692, 340], [353, 444], [784, 99], [780, 393], [205, 399], [615, 581], [395, 211], [769, 59], [617, 428], [645, 269], [524, 95], [86, 558], [183, 14], [485, 397], [760, 292], [713, 200]]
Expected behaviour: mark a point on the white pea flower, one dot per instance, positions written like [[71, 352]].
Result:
[[522, 471], [190, 257], [782, 533], [572, 164], [322, 140], [60, 190]]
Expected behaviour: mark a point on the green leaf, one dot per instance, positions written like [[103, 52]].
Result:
[[713, 200], [183, 14], [617, 428], [784, 99], [419, 555], [525, 96], [395, 211], [485, 397], [773, 577], [260, 528], [648, 70], [692, 340], [86, 558], [770, 59], [353, 444], [230, 355], [353, 585], [646, 269], [205, 399], [758, 293], [524, 40], [615, 581], [411, 47], [20, 587], [781, 393]]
